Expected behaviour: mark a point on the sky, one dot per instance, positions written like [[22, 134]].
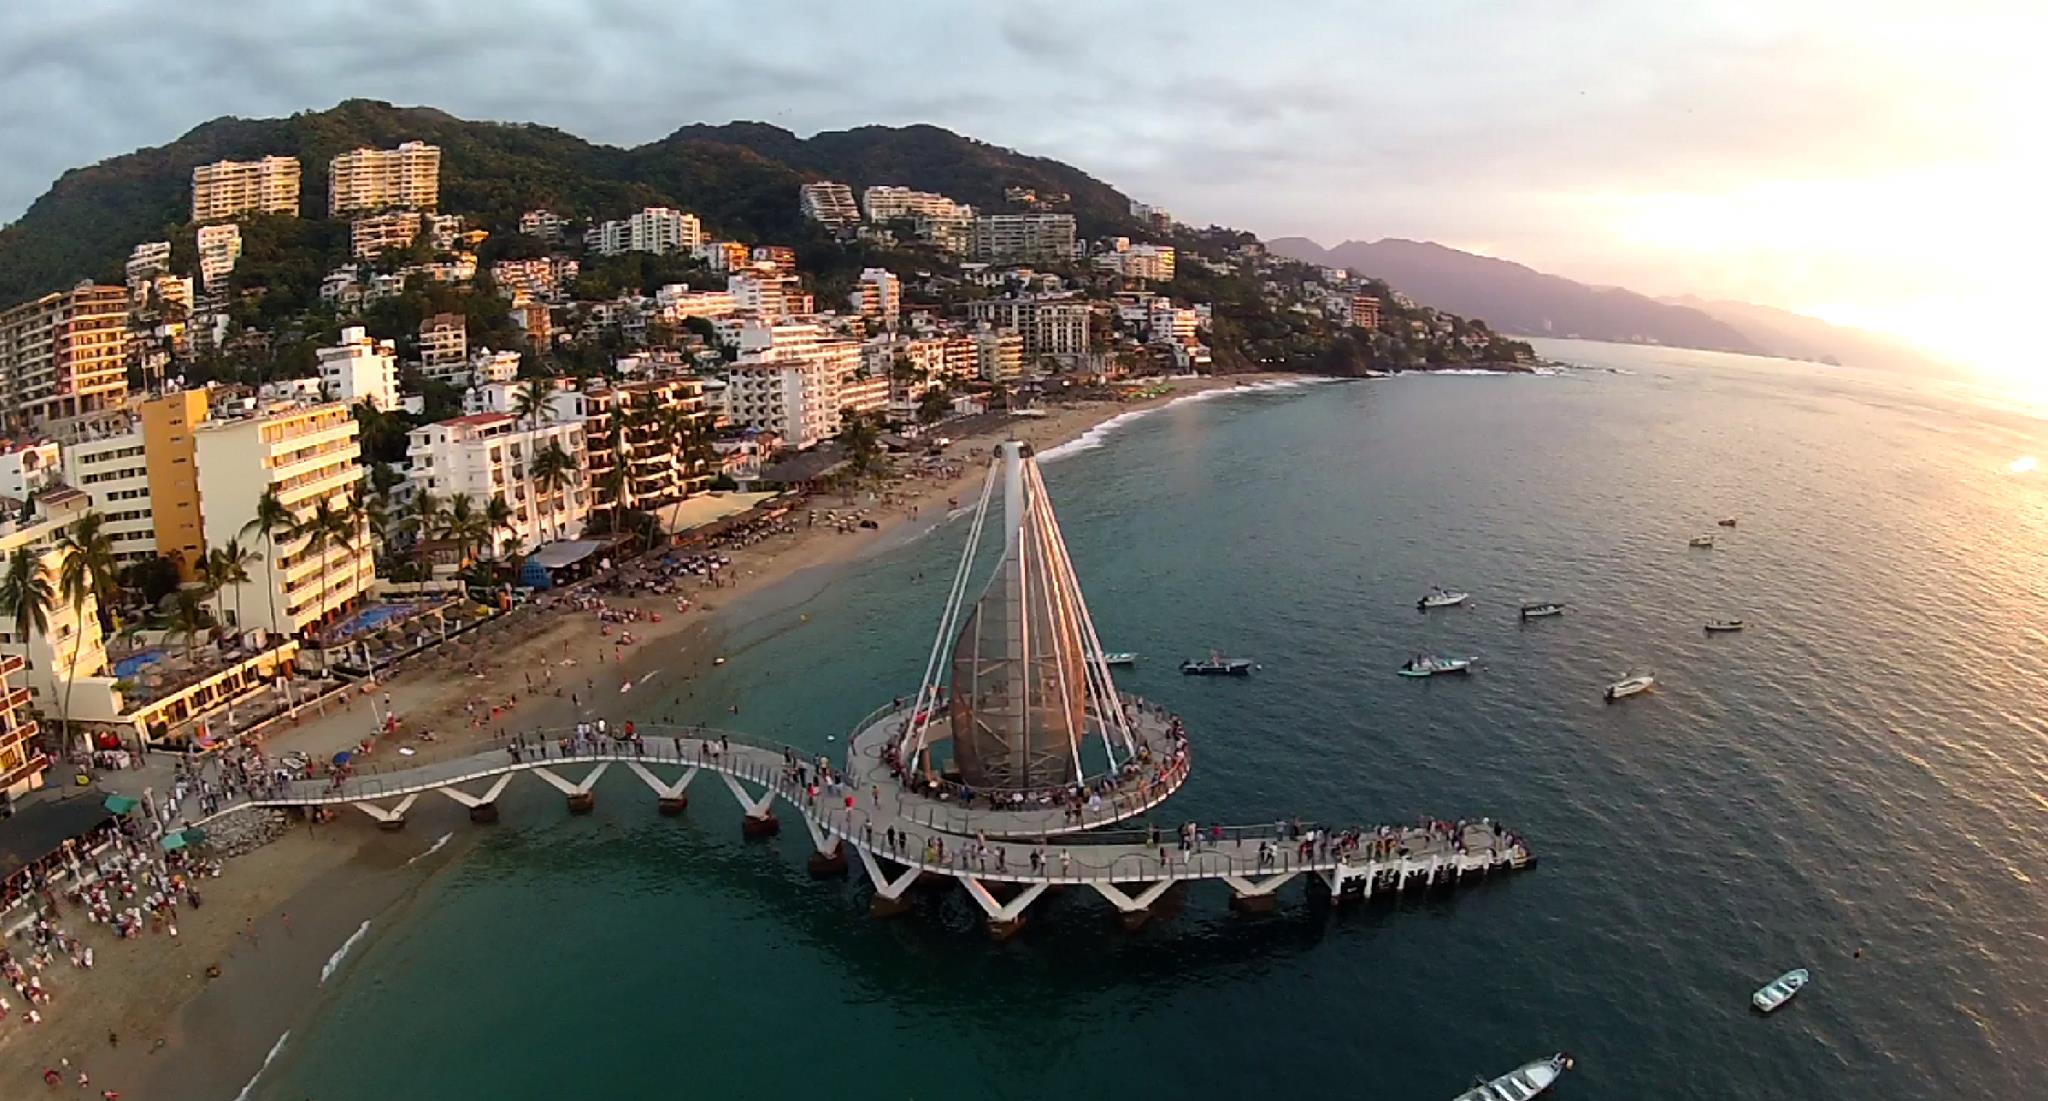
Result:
[[1874, 163]]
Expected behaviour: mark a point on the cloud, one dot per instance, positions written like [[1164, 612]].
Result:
[[1539, 127]]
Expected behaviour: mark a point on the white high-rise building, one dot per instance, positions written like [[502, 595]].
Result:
[[374, 233], [444, 346], [878, 295], [767, 294], [828, 204], [359, 369], [655, 229], [1153, 263], [219, 247], [885, 203], [789, 380], [374, 179], [229, 189], [305, 455], [486, 455], [1024, 237], [147, 259]]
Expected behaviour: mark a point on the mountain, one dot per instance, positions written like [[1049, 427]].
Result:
[[1797, 336], [1521, 300], [741, 178]]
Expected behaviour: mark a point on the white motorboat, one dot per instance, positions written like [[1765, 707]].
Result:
[[1714, 625], [1439, 597], [1630, 685], [1542, 609], [1521, 1083], [1706, 541], [1219, 666], [1779, 990], [1430, 665], [1119, 659]]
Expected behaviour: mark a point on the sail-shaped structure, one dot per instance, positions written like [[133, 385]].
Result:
[[1026, 688]]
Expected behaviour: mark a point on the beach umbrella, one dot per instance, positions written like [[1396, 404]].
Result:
[[119, 804], [342, 757], [172, 842]]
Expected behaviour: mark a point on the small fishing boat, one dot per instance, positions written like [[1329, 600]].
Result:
[[1439, 597], [1542, 609], [1216, 665], [1629, 686], [1727, 521], [1779, 990], [1120, 659], [1701, 541], [1521, 1083], [1714, 625], [1430, 665]]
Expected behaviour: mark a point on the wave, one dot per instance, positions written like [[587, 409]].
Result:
[[1097, 436], [267, 1060], [443, 840], [333, 963]]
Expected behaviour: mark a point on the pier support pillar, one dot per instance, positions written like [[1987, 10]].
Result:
[[1133, 910], [390, 820], [1000, 930], [582, 802], [763, 824], [1253, 904], [484, 813], [883, 906], [392, 824], [669, 798], [673, 805], [826, 864]]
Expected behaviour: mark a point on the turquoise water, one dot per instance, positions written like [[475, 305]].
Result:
[[1862, 769], [126, 668]]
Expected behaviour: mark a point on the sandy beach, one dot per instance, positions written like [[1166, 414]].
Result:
[[178, 1033]]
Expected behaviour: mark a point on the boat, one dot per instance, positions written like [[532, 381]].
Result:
[[1630, 685], [1724, 625], [1701, 541], [1726, 521], [1216, 665], [1521, 1083], [1541, 609], [1440, 597], [1120, 659], [1429, 665], [1779, 990]]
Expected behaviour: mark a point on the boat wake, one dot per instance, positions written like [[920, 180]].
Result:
[[1097, 436], [267, 1060], [443, 840], [333, 963]]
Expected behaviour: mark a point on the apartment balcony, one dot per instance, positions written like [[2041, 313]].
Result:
[[16, 698]]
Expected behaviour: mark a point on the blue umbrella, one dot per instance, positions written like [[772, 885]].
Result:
[[342, 757]]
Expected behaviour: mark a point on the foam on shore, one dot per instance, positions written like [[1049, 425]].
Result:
[[269, 1059], [1099, 435], [333, 963], [431, 850]]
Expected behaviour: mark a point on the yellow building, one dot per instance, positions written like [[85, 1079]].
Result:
[[375, 179], [169, 424], [21, 765], [227, 189], [307, 454]]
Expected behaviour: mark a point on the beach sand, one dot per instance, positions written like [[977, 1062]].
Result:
[[330, 878]]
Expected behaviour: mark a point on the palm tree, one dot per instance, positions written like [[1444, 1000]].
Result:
[[272, 520], [372, 507], [26, 596], [498, 516], [463, 524], [426, 520], [88, 572], [553, 470], [318, 528], [189, 616], [532, 403], [231, 567]]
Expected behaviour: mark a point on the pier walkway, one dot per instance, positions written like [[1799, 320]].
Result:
[[900, 839]]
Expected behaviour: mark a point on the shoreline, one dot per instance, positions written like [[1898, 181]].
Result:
[[206, 1038]]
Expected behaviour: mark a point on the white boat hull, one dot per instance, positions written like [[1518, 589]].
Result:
[[1522, 1083], [1630, 687]]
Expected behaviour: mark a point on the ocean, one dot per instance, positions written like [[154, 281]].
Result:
[[1855, 784]]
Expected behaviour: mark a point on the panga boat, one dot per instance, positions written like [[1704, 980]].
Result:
[[1701, 541], [1429, 665], [1542, 609], [1439, 597], [1218, 666], [1630, 685], [1119, 659], [1522, 1083], [1779, 990], [1724, 625], [1727, 521]]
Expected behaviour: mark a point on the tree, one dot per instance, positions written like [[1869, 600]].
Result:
[[933, 407], [230, 567], [552, 471], [498, 516], [531, 403], [87, 571], [189, 617], [369, 507], [465, 524], [857, 433], [318, 528], [25, 594], [272, 519], [426, 521]]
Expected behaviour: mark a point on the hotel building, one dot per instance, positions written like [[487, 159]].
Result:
[[65, 354], [229, 189], [374, 179]]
